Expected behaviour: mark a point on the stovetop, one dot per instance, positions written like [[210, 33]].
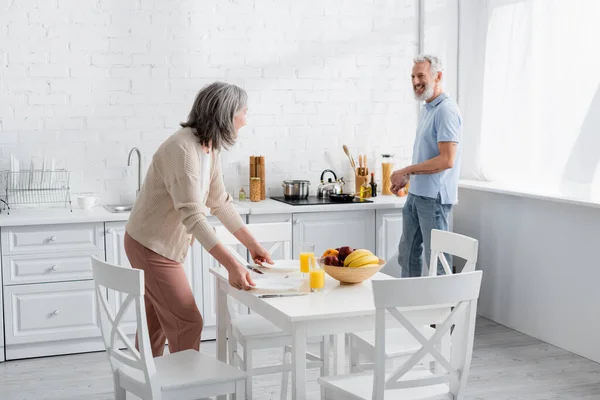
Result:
[[314, 200]]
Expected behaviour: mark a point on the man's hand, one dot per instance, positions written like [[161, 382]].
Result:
[[260, 255], [399, 179], [240, 278]]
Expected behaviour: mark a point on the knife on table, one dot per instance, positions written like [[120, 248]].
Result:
[[269, 296], [245, 263]]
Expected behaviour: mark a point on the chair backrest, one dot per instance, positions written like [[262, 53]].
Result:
[[415, 302], [137, 365], [454, 244], [278, 233]]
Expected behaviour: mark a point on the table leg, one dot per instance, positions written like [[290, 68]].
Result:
[[299, 362], [222, 322], [339, 354]]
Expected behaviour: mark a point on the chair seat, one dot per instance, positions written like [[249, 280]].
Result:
[[184, 369], [360, 386], [253, 326], [189, 368], [398, 341]]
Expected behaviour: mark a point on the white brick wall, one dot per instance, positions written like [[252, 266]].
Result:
[[86, 80]]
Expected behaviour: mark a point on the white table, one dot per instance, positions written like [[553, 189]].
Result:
[[335, 311]]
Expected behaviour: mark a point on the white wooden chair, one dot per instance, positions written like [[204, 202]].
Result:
[[400, 343], [183, 375], [253, 332], [454, 244], [413, 302]]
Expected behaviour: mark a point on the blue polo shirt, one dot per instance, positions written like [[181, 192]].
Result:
[[440, 121]]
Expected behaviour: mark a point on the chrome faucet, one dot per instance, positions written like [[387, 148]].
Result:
[[135, 149]]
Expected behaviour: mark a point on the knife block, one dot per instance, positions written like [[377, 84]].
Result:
[[359, 180]]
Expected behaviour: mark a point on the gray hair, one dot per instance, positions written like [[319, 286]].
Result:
[[211, 117], [434, 61]]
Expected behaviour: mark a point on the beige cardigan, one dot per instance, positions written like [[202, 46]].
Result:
[[169, 210]]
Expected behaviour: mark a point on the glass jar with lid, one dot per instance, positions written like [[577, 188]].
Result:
[[387, 166]]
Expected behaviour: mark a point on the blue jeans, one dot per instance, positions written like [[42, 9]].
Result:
[[419, 216]]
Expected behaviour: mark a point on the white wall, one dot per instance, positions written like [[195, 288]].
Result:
[[86, 80], [540, 266]]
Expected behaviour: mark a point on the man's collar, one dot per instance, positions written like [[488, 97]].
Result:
[[436, 101]]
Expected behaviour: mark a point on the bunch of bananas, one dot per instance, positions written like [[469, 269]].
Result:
[[361, 258]]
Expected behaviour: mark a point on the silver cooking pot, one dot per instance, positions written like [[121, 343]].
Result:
[[295, 189]]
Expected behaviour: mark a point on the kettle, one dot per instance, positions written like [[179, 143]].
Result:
[[334, 186]]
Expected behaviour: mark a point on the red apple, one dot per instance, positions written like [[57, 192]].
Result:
[[344, 252]]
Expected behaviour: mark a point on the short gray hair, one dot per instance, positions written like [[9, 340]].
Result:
[[211, 117], [434, 61]]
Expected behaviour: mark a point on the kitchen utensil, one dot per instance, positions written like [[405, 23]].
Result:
[[361, 166], [295, 189], [351, 276], [270, 296], [366, 166], [342, 197], [349, 157], [253, 269], [325, 189], [242, 261]]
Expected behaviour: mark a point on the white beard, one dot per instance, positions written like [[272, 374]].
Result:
[[426, 95]]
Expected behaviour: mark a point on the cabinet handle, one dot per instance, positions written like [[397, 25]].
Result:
[[56, 312], [110, 231], [296, 221], [54, 268], [52, 239]]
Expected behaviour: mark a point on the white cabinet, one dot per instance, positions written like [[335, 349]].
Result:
[[48, 297], [51, 318], [388, 233], [334, 229]]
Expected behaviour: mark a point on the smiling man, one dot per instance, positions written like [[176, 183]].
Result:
[[433, 175]]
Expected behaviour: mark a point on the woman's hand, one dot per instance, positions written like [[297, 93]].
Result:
[[240, 278], [260, 255]]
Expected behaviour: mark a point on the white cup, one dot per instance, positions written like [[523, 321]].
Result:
[[86, 202]]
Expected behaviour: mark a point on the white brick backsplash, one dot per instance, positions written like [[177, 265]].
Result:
[[48, 71], [84, 81]]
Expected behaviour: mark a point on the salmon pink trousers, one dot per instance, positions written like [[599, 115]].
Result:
[[171, 309]]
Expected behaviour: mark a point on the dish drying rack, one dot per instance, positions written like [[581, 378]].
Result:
[[37, 186]]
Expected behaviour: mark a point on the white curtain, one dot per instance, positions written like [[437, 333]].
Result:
[[529, 91]]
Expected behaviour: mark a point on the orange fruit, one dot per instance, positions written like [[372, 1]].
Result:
[[331, 252]]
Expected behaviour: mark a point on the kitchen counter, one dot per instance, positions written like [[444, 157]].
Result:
[[43, 216], [270, 206], [46, 216]]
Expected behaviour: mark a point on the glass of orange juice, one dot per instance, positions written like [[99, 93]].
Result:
[[307, 258], [316, 278]]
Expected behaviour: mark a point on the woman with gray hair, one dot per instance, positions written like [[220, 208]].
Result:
[[183, 183]]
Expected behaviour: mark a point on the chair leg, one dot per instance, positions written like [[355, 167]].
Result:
[[232, 348], [240, 390], [120, 393], [354, 355], [285, 375], [248, 368], [325, 355]]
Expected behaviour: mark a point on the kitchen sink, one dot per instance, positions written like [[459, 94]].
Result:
[[119, 208]]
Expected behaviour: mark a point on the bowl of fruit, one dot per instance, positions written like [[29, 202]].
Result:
[[350, 266]]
